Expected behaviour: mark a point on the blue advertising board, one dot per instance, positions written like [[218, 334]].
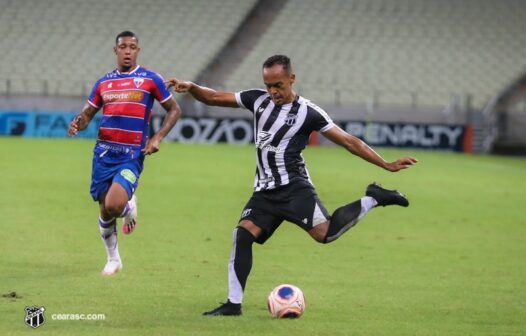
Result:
[[240, 131], [42, 124]]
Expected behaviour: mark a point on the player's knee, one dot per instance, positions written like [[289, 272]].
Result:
[[242, 236], [114, 209], [319, 232], [320, 239], [251, 228]]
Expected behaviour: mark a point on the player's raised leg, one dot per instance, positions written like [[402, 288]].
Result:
[[386, 197], [130, 216], [348, 215], [122, 200]]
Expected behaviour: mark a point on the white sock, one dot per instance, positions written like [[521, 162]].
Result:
[[235, 291], [108, 233], [126, 211], [367, 204]]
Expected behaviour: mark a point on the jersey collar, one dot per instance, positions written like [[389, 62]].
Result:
[[296, 100], [129, 72]]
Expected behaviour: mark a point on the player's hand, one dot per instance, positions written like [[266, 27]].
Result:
[[152, 146], [402, 163], [74, 126], [180, 86]]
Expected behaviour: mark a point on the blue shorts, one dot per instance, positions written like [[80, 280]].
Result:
[[105, 173]]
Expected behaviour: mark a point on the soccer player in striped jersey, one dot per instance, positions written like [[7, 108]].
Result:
[[283, 189], [126, 96]]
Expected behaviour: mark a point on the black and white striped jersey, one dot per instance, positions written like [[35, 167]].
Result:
[[280, 134]]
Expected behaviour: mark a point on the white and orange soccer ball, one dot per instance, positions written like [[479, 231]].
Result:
[[286, 301]]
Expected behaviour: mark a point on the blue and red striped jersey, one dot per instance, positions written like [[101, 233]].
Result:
[[126, 99]]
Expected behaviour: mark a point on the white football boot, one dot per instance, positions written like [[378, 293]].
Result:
[[130, 220], [112, 266]]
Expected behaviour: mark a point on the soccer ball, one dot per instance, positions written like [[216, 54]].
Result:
[[286, 301]]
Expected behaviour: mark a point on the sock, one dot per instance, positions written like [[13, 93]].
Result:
[[108, 233], [347, 216], [368, 203], [126, 210], [240, 264]]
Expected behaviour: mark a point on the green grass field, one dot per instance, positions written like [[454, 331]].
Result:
[[453, 263]]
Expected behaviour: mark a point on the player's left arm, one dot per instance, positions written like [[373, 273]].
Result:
[[173, 113], [361, 149]]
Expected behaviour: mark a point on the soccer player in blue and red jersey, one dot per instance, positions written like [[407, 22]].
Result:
[[126, 96]]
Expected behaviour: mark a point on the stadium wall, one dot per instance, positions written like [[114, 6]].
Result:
[[27, 123]]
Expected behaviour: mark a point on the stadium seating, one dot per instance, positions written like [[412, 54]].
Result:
[[62, 46], [344, 51], [400, 52]]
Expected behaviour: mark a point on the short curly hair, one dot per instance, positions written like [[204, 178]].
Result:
[[282, 60], [126, 33]]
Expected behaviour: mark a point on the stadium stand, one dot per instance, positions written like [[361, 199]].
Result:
[[397, 52], [60, 47], [400, 53]]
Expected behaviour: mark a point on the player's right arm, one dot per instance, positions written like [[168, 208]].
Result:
[[89, 110], [205, 95], [82, 119]]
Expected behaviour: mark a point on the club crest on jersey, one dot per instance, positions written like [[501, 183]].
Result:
[[138, 82], [290, 120]]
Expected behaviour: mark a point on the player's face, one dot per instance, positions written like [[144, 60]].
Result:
[[278, 82], [127, 50]]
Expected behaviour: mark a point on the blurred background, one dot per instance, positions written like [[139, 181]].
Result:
[[387, 69]]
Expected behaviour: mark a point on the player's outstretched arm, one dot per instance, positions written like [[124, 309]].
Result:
[[205, 95], [173, 113], [361, 149], [82, 120]]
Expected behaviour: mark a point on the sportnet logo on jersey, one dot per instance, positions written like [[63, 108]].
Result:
[[125, 96]]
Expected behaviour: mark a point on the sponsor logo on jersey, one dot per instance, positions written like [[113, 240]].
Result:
[[266, 181], [274, 149], [263, 139], [263, 142], [124, 96], [128, 175], [113, 148]]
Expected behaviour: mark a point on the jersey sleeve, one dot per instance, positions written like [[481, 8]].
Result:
[[95, 98], [319, 119], [247, 98], [159, 91]]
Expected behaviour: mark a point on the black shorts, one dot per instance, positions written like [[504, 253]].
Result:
[[297, 203]]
